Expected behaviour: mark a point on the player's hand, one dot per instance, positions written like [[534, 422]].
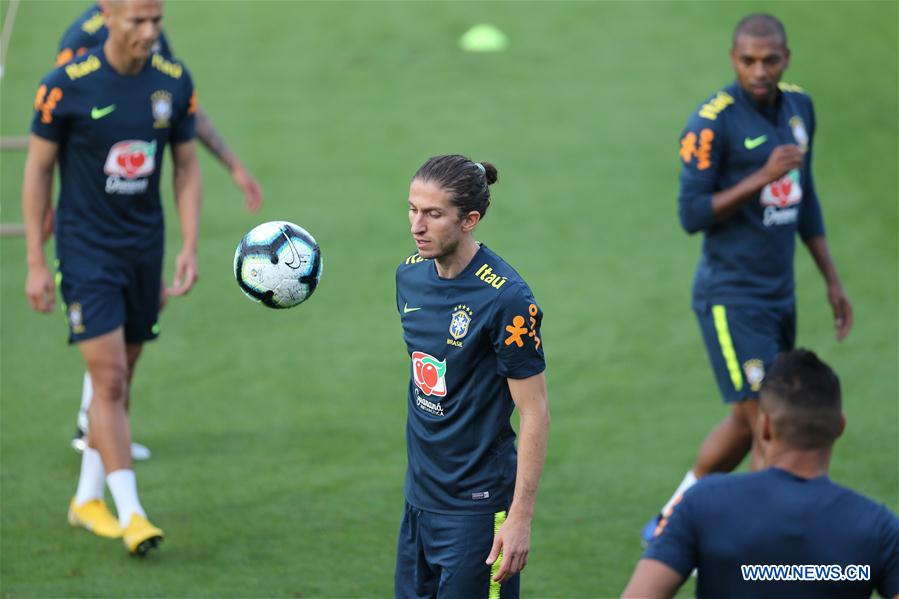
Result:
[[781, 161], [186, 273], [39, 289], [47, 224], [514, 540], [252, 191], [842, 310]]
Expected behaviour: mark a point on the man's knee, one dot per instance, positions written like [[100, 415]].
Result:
[[110, 382]]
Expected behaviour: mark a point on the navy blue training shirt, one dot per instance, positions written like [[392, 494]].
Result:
[[747, 258], [112, 130], [465, 337], [89, 31], [774, 517]]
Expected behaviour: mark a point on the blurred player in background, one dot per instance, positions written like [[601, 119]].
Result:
[[106, 118], [472, 329], [746, 183], [789, 514], [87, 32]]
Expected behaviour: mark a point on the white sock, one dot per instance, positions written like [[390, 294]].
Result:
[[123, 486], [87, 393], [689, 480], [91, 478]]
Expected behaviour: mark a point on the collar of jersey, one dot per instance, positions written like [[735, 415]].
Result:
[[766, 111], [465, 271]]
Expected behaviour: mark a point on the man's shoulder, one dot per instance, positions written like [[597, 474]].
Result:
[[85, 27], [410, 265], [791, 89], [714, 108], [169, 66], [795, 93], [79, 71], [498, 274]]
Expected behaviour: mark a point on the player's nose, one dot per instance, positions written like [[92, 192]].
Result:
[[418, 224]]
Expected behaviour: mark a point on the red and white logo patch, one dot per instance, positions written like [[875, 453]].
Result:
[[131, 159], [784, 192], [429, 374]]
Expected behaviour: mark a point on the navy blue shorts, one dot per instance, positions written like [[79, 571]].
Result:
[[102, 295], [742, 342], [440, 555]]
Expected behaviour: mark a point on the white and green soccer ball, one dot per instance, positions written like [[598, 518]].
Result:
[[278, 264]]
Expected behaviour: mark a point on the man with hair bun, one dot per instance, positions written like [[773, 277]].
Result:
[[746, 183], [827, 540], [472, 330]]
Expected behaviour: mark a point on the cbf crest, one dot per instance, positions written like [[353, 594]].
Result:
[[161, 102], [459, 323], [76, 319], [800, 134]]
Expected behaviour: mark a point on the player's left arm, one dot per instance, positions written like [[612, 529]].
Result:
[[514, 536], [243, 178], [652, 579], [836, 295], [188, 184], [811, 230]]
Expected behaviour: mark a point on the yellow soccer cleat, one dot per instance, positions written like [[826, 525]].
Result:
[[94, 516], [140, 536]]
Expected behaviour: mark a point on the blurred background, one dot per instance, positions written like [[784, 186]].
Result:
[[278, 436]]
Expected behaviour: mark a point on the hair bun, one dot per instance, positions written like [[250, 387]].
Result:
[[490, 172]]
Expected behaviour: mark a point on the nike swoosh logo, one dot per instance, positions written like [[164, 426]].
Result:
[[751, 144], [295, 260], [407, 309], [99, 113]]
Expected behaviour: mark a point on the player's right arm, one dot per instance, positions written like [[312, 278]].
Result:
[[37, 186], [672, 555], [652, 579], [700, 203], [782, 160]]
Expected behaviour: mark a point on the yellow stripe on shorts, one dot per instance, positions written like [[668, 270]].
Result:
[[727, 346], [498, 519]]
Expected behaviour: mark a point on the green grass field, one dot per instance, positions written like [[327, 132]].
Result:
[[278, 436]]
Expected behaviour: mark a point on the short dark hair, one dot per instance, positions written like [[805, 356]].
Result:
[[467, 182], [801, 395], [760, 24]]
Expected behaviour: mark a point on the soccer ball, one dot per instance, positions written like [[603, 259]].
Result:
[[278, 264]]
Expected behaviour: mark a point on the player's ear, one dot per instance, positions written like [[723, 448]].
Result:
[[842, 425], [470, 221]]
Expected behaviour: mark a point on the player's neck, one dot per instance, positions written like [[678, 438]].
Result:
[[120, 62], [449, 266], [805, 463]]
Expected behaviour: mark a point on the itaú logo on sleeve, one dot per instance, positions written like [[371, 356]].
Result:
[[128, 165], [429, 374]]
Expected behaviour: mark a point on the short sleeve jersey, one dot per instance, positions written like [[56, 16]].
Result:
[[747, 258], [465, 337], [773, 517], [112, 130], [88, 32]]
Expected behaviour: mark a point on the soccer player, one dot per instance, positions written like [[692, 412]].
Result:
[[790, 514], [106, 118], [89, 31], [472, 330], [746, 183]]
